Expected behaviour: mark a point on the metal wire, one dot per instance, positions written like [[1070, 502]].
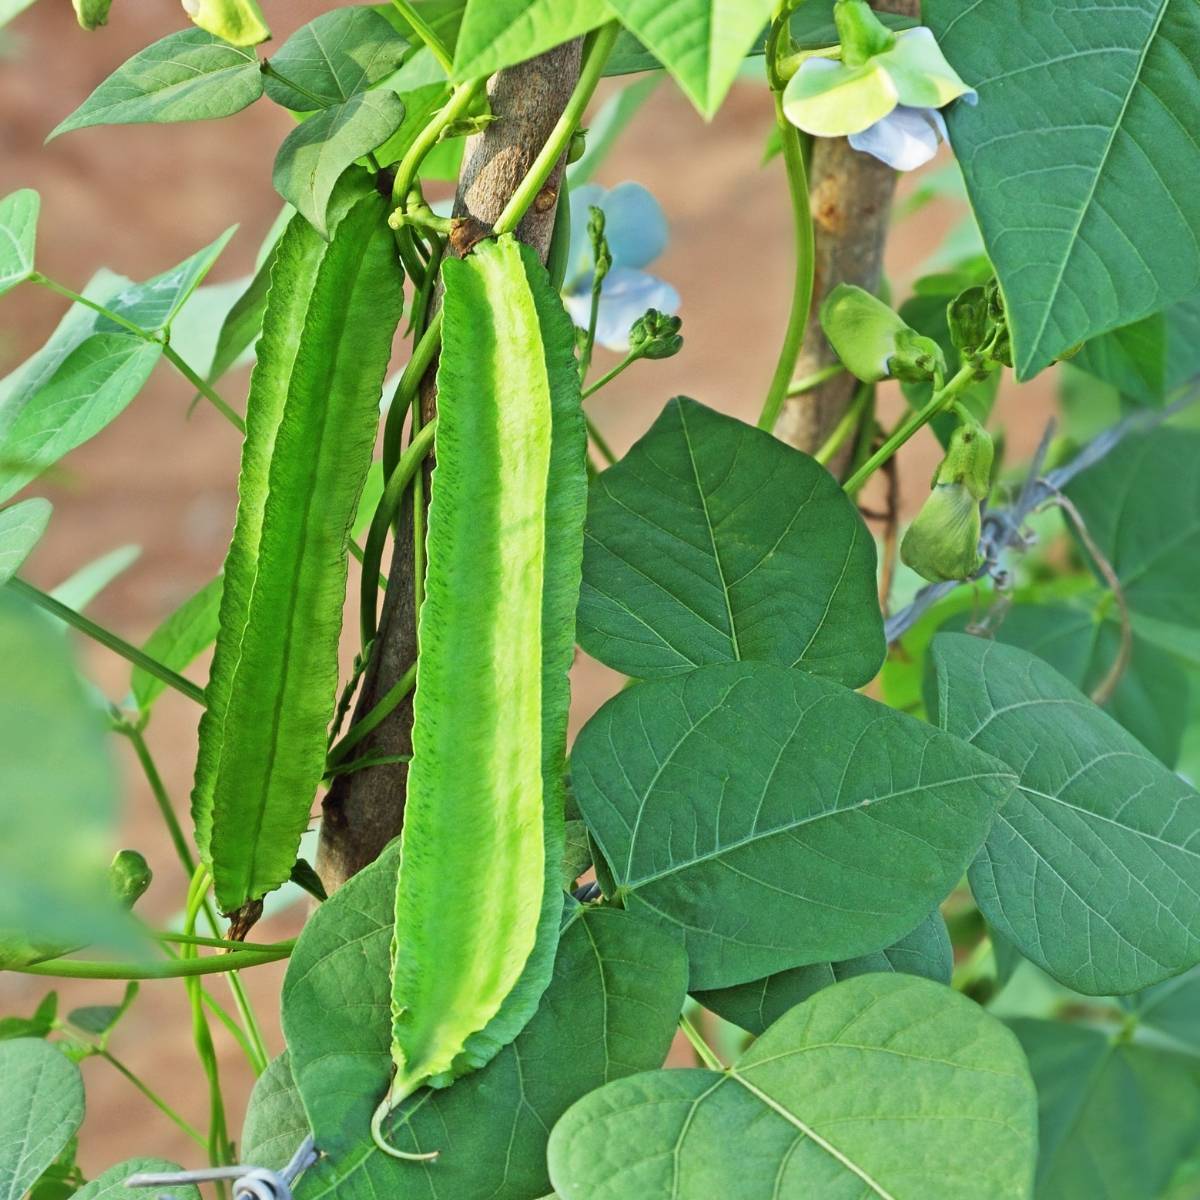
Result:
[[249, 1183]]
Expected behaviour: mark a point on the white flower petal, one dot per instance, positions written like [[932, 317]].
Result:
[[905, 139]]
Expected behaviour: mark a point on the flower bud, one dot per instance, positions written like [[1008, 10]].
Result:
[[129, 876], [601, 254], [239, 22], [970, 320], [861, 33], [943, 542], [968, 460], [91, 14], [656, 335], [872, 340]]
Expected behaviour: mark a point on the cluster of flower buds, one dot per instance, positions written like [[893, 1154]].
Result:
[[656, 335], [979, 327], [943, 542], [873, 341]]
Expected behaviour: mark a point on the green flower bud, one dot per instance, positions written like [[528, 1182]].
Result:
[[861, 32], [873, 341], [601, 255], [577, 147], [239, 22], [656, 335], [91, 14], [970, 320], [968, 460], [943, 542], [129, 875]]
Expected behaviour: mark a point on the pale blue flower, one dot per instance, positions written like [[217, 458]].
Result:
[[636, 231]]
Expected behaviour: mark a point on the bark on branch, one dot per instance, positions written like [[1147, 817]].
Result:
[[365, 810]]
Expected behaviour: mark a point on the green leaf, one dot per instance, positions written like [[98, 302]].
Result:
[[1141, 505], [926, 951], [90, 389], [717, 816], [507, 514], [21, 528], [1170, 1012], [1052, 182], [1091, 867], [186, 76], [99, 1019], [498, 33], [334, 57], [1151, 358], [18, 234], [700, 42], [57, 790], [82, 586], [610, 1010], [420, 104], [1115, 1119], [1151, 699], [881, 1086], [111, 1184], [39, 1025], [179, 640], [316, 153], [43, 1107], [311, 418], [689, 561]]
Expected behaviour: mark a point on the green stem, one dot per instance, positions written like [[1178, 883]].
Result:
[[154, 1098], [560, 136], [702, 1048], [802, 282], [219, 943], [589, 339], [106, 638], [799, 386], [385, 513], [161, 798], [406, 173], [423, 30], [268, 68], [361, 728], [609, 376], [368, 760], [598, 439], [940, 399], [175, 968], [94, 305], [424, 352], [851, 419], [204, 388]]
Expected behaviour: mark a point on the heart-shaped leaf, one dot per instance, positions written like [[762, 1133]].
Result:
[[754, 1006], [42, 1109], [1052, 160], [610, 1010], [186, 76], [18, 235], [712, 541], [1092, 868], [774, 819], [949, 1110]]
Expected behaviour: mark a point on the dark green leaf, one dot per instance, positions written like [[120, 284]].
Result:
[[18, 234], [419, 106], [111, 1185], [43, 1106], [775, 819], [1084, 193], [21, 528], [1141, 505], [700, 42], [1151, 699], [689, 561], [315, 154], [334, 57], [881, 1086], [100, 1019], [179, 640], [187, 76], [755, 1006], [610, 1010], [1092, 868], [1115, 1119], [499, 33], [312, 418]]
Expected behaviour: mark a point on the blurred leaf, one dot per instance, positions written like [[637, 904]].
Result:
[[498, 33], [37, 1026], [79, 589], [198, 324], [111, 1185], [1171, 1009], [21, 528], [12, 8], [186, 76], [755, 1006], [57, 790], [316, 153], [42, 1109], [100, 1019], [179, 640], [18, 233], [338, 55], [368, 502], [950, 1109]]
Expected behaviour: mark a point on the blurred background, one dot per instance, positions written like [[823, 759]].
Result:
[[159, 483]]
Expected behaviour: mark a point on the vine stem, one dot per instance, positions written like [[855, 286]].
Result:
[[702, 1048], [941, 399], [406, 173], [846, 426], [425, 32], [799, 386], [175, 968], [803, 279], [106, 637], [361, 728], [153, 1097]]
